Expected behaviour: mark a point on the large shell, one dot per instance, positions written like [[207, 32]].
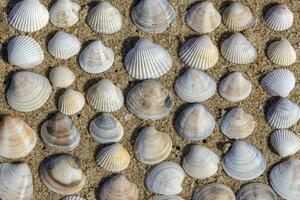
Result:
[[282, 53], [256, 191], [73, 198], [214, 191], [71, 102], [28, 16], [152, 146], [149, 100], [165, 178], [243, 161], [62, 174], [168, 197], [279, 17], [61, 77], [195, 123], [28, 91], [105, 96], [147, 60]]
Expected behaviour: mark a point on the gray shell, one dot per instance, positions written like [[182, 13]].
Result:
[[256, 191]]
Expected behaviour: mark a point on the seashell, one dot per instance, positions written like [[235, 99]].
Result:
[[200, 162], [195, 86], [96, 58], [150, 100], [153, 16], [279, 17], [199, 52], [237, 49], [165, 178], [71, 102], [237, 124], [73, 198], [104, 18], [243, 161], [16, 181], [238, 17], [168, 197], [24, 52], [147, 60], [279, 82], [152, 146], [118, 187], [62, 174], [28, 91], [256, 191], [61, 77], [283, 114], [203, 17], [113, 158], [64, 45], [285, 142], [282, 53], [195, 122], [60, 133], [106, 129], [28, 16], [214, 191], [105, 96]]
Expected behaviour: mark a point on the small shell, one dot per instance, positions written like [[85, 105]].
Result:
[[150, 100], [282, 53], [203, 17], [256, 191], [113, 158], [73, 198], [71, 102], [165, 178], [104, 18], [106, 129], [28, 16], [195, 123], [195, 86], [62, 174], [105, 96], [153, 16], [147, 60], [61, 77], [152, 146], [214, 191], [237, 49], [168, 197], [64, 45], [279, 17]]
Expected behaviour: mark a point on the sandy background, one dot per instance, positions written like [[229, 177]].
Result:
[[121, 42]]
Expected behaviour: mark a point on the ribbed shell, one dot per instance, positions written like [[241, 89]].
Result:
[[73, 198], [168, 197], [61, 77], [71, 102], [279, 17], [214, 191], [256, 191], [282, 53]]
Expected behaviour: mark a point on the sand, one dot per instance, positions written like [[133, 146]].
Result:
[[121, 43]]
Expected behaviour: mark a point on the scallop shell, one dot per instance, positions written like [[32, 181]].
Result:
[[113, 158], [105, 96], [71, 102], [165, 178], [60, 133], [104, 18], [256, 191], [23, 51], [149, 100], [152, 146], [28, 91], [282, 53], [64, 45], [153, 16], [243, 161], [62, 174], [279, 17], [203, 17], [28, 16], [106, 129], [61, 77], [237, 49], [73, 198], [168, 197], [147, 60], [199, 52], [214, 191], [118, 187]]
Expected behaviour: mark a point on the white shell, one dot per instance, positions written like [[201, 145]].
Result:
[[237, 49], [214, 191], [279, 17], [73, 198], [256, 191], [282, 53], [168, 197], [71, 102], [28, 16], [61, 77]]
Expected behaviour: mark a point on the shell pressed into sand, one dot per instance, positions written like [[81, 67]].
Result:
[[214, 191], [61, 77], [256, 191], [282, 53], [71, 102]]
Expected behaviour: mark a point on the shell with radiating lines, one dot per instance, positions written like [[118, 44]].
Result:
[[73, 198], [61, 77], [279, 17], [256, 191], [168, 197], [282, 53], [71, 102], [214, 191]]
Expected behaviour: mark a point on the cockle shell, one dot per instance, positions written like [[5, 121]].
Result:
[[168, 197], [203, 17], [279, 17], [153, 16], [243, 161], [61, 77], [165, 178], [113, 158], [147, 60], [256, 191], [237, 49], [282, 53], [28, 16], [73, 198], [150, 100], [214, 191], [62, 174], [152, 146], [195, 122], [28, 91], [71, 102]]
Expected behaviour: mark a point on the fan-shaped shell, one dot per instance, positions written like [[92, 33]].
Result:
[[168, 197], [214, 191], [71, 102], [279, 17], [61, 77], [282, 53], [256, 191], [73, 198]]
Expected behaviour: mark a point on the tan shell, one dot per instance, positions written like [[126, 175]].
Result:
[[71, 102], [61, 77], [214, 191], [282, 53]]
